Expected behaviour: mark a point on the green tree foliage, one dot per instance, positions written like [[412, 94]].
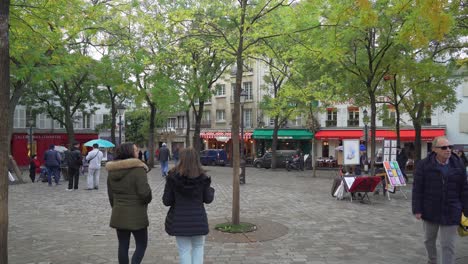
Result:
[[147, 47], [367, 34], [136, 127]]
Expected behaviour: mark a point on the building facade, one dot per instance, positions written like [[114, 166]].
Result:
[[34, 134]]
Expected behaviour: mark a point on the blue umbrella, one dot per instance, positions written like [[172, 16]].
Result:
[[101, 142]]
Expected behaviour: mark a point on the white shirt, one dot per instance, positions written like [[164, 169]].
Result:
[[94, 158]]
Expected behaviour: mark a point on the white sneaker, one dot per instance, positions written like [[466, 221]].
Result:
[[69, 190]]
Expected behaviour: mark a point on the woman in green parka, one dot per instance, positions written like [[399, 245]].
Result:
[[129, 196]]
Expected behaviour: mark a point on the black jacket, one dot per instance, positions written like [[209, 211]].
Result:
[[74, 159], [440, 198], [186, 198]]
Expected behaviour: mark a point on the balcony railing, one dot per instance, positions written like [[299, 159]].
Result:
[[203, 124], [353, 122], [330, 123]]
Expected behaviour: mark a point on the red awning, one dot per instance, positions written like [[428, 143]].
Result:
[[409, 134], [220, 134], [339, 134]]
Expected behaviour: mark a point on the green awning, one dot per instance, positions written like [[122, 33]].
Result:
[[283, 134]]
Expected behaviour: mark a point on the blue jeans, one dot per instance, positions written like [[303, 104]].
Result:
[[164, 167], [141, 242], [190, 249], [53, 171]]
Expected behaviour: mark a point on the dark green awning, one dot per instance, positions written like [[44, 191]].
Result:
[[283, 134]]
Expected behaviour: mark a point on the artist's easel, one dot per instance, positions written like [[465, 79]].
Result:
[[390, 188]]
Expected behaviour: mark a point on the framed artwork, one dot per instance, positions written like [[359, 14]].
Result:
[[387, 143], [351, 151]]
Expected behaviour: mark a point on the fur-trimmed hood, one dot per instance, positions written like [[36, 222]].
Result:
[[126, 164]]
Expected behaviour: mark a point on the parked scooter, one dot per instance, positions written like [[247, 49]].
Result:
[[294, 163]]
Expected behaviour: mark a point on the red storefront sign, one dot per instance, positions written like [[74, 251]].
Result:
[[20, 147]]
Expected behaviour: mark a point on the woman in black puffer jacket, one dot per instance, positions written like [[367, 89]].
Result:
[[187, 190]]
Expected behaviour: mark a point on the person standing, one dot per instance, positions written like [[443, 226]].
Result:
[[186, 191], [74, 162], [129, 195], [164, 157], [402, 159], [94, 159], [52, 161], [440, 194], [140, 155], [34, 166], [175, 155]]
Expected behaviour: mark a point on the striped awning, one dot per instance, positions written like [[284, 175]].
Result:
[[222, 134]]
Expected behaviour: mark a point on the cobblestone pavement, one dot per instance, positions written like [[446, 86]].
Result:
[[51, 225]]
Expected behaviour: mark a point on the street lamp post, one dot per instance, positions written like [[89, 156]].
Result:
[[120, 110], [365, 119], [243, 96]]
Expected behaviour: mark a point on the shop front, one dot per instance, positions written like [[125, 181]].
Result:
[[288, 139], [221, 139], [329, 139], [40, 143]]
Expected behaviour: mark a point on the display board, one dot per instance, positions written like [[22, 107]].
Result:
[[394, 174], [351, 151], [390, 150]]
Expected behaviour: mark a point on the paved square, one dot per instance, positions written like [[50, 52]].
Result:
[[51, 225]]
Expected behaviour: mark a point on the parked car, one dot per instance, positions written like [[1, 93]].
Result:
[[281, 157], [213, 157]]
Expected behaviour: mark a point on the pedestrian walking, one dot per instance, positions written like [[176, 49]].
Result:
[[140, 155], [440, 194], [74, 162], [146, 156], [175, 155], [52, 162], [187, 189], [34, 167], [164, 157], [129, 195], [94, 159]]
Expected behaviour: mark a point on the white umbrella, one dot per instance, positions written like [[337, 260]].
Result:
[[60, 148]]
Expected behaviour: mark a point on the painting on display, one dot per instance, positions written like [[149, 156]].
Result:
[[394, 174], [351, 151], [389, 150]]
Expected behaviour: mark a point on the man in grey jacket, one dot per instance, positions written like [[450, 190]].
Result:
[[94, 159]]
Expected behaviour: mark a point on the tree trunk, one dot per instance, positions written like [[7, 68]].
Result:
[[4, 128], [15, 97], [187, 132], [151, 135], [417, 129], [274, 144], [236, 119], [373, 130], [196, 132], [113, 115]]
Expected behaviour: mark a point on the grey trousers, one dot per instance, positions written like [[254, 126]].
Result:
[[448, 235]]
